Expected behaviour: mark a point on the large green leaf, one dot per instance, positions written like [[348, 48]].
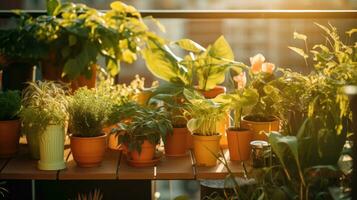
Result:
[[221, 49], [163, 63], [190, 45], [52, 5], [280, 144]]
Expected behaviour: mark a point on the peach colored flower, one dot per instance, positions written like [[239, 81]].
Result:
[[241, 80], [256, 63], [268, 68]]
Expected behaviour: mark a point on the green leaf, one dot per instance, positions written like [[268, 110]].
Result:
[[221, 49], [113, 66], [280, 144], [72, 40], [158, 23], [300, 36], [351, 32], [190, 45], [164, 64], [299, 51], [52, 5]]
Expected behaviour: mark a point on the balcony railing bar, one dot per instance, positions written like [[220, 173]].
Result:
[[228, 14]]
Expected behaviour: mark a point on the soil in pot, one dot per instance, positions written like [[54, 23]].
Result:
[[88, 151], [9, 137], [147, 152], [205, 148], [175, 144], [52, 148], [272, 124], [239, 144]]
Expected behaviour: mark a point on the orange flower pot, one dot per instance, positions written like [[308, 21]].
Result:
[[113, 143], [224, 123], [147, 152], [257, 127], [9, 137], [88, 151], [205, 148], [210, 94], [189, 140], [143, 97], [175, 144], [239, 144], [82, 81]]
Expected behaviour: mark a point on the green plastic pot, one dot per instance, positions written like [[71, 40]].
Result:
[[33, 144], [52, 148]]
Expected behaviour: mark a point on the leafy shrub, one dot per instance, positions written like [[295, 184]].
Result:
[[10, 104]]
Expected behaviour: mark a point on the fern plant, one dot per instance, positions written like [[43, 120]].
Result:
[[43, 103], [10, 104]]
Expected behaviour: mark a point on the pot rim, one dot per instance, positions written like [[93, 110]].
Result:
[[276, 119], [88, 138]]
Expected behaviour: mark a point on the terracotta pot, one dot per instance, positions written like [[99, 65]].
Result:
[[210, 94], [189, 140], [257, 127], [204, 149], [224, 123], [82, 81], [112, 138], [239, 144], [143, 97], [9, 137], [88, 151], [51, 68], [147, 152], [175, 144]]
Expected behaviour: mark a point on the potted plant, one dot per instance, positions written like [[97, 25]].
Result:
[[206, 66], [16, 58], [88, 113], [77, 34], [44, 117], [10, 103], [263, 117], [204, 115], [239, 100], [143, 132], [175, 143]]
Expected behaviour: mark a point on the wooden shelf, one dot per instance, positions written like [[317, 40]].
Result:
[[115, 167]]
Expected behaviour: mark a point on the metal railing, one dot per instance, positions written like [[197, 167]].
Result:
[[228, 14]]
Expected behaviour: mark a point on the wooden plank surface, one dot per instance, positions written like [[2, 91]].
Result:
[[23, 167], [106, 171], [178, 168], [219, 171], [127, 172], [3, 162]]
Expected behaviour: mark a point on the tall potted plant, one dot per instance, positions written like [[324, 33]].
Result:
[[143, 132], [239, 100], [175, 143], [204, 115], [44, 117], [263, 117], [76, 35], [10, 104], [88, 112]]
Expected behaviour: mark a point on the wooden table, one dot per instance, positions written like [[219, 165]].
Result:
[[115, 167]]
